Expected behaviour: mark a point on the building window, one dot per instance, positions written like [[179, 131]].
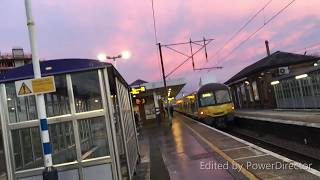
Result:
[[255, 91], [243, 92]]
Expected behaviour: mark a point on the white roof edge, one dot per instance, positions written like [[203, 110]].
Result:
[[159, 84]]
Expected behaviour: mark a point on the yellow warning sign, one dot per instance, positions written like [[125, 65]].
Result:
[[24, 90], [43, 85], [29, 87]]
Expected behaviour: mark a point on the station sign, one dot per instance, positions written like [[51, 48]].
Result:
[[30, 87], [138, 90]]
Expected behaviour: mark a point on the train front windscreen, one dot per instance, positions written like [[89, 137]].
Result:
[[214, 98]]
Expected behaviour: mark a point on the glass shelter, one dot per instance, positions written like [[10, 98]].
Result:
[[91, 124]]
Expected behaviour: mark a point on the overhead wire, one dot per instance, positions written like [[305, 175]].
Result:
[[261, 27], [243, 26]]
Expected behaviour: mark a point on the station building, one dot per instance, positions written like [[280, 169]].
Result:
[[145, 102], [251, 87]]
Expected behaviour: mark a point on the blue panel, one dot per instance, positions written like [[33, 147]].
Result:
[[46, 148], [44, 124]]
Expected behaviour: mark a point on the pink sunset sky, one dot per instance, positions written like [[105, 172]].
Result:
[[82, 29]]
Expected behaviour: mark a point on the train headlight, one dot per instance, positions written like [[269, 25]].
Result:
[[232, 107], [201, 113]]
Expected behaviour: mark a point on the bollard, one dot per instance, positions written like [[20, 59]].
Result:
[[50, 173]]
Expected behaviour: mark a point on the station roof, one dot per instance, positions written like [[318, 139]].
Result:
[[174, 84], [276, 59], [57, 66], [52, 67], [138, 82]]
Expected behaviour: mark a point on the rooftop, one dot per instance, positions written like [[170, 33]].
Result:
[[276, 59]]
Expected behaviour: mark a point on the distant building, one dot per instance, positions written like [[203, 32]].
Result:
[[14, 59], [148, 96], [251, 87]]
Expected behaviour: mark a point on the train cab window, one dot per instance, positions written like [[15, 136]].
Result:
[[207, 99], [222, 96]]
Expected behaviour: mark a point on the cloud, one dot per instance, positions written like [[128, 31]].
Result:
[[79, 28]]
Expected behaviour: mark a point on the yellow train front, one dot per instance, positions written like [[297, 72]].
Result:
[[212, 103]]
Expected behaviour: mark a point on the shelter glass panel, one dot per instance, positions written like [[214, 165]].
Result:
[[62, 141], [27, 148], [57, 103], [20, 108], [93, 137], [86, 91]]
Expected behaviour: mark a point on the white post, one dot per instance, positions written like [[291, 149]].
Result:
[[41, 109]]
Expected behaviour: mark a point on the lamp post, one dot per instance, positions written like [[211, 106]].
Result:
[[124, 55]]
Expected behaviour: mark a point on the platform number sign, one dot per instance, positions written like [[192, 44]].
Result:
[[35, 86]]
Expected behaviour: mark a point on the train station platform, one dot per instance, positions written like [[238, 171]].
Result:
[[192, 150], [294, 117]]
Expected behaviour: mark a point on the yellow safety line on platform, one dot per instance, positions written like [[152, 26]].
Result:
[[244, 171]]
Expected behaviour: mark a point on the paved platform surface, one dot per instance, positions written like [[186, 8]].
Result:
[[191, 150], [300, 118], [175, 153]]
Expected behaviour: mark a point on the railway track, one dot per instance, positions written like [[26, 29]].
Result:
[[303, 159], [292, 148]]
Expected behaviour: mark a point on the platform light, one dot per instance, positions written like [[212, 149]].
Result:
[[190, 97], [96, 101], [315, 64], [247, 82], [102, 57], [301, 76], [126, 54], [275, 82], [9, 99]]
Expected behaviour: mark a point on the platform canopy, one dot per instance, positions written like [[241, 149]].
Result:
[[174, 85]]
